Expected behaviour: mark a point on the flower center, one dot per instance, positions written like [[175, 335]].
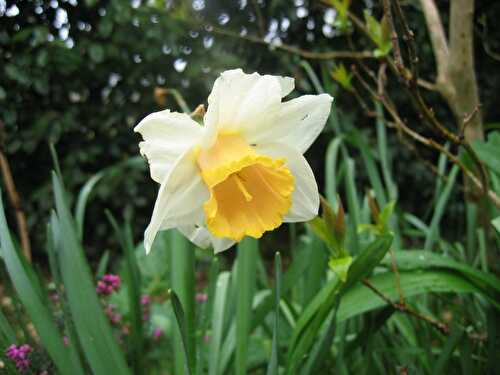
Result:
[[249, 193]]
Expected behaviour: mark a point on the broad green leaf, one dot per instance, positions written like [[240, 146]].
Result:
[[418, 259], [30, 294], [94, 332], [359, 299]]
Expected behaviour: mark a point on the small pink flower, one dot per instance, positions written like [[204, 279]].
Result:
[[157, 333], [201, 297], [66, 341], [19, 355], [108, 284], [145, 300]]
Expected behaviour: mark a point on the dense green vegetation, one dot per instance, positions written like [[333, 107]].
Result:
[[422, 292]]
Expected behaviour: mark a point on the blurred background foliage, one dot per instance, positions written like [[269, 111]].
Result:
[[81, 74]]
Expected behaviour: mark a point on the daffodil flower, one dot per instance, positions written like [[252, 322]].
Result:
[[243, 172]]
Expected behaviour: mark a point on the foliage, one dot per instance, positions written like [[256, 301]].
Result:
[[396, 276]]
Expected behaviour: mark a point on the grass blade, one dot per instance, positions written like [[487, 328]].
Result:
[[183, 329], [246, 269], [331, 170], [100, 347], [30, 294], [133, 282], [272, 368], [439, 209], [218, 319], [182, 276]]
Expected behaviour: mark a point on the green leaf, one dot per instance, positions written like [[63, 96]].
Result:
[[342, 76], [272, 368], [369, 258], [488, 151], [439, 209], [7, 333], [218, 319], [100, 347], [181, 322], [340, 266], [81, 203], [419, 259], [133, 282], [379, 33], [359, 299], [246, 270], [35, 303], [496, 224], [182, 273]]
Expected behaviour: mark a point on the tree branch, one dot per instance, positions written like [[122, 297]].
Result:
[[439, 43], [330, 55], [461, 67], [15, 200]]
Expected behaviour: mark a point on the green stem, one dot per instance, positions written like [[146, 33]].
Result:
[[245, 273], [182, 261]]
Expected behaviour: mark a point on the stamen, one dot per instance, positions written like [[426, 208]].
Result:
[[243, 189]]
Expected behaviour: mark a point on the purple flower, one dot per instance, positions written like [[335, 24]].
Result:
[[145, 300], [108, 284], [19, 355], [157, 333]]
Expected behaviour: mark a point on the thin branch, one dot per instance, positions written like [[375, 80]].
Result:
[[260, 19], [438, 40], [330, 55], [404, 308], [425, 110], [14, 198], [391, 109], [398, 59]]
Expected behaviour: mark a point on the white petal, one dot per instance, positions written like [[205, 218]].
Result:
[[305, 197], [180, 198], [287, 85], [166, 136], [238, 101], [297, 122], [201, 237]]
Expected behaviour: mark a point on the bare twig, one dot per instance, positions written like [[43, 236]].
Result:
[[398, 279], [14, 198], [401, 125], [398, 59], [260, 19], [438, 41], [424, 109], [404, 308], [330, 55]]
